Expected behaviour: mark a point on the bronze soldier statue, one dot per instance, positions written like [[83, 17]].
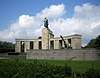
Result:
[[46, 22]]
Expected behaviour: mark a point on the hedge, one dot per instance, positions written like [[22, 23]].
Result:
[[5, 50], [35, 69]]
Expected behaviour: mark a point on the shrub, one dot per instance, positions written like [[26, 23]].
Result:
[[16, 69], [5, 50], [20, 69], [92, 73]]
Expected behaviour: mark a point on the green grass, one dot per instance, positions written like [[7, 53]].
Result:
[[77, 66]]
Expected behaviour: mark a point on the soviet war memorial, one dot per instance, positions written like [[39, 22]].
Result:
[[50, 39], [55, 48]]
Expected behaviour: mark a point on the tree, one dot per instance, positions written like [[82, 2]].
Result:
[[6, 47], [94, 43], [97, 42], [91, 44]]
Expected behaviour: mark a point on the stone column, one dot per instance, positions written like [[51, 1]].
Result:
[[27, 46], [36, 44], [56, 44], [45, 38], [18, 46], [76, 43]]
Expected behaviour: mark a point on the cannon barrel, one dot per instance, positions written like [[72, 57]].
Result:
[[65, 44]]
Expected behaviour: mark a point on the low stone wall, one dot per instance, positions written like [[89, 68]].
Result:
[[65, 54]]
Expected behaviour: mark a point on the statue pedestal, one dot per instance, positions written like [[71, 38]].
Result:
[[46, 35]]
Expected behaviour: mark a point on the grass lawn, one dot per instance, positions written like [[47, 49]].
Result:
[[79, 66]]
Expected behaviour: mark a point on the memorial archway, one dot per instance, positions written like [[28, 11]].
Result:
[[22, 46]]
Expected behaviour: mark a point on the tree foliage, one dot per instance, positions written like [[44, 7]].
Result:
[[6, 44], [6, 47], [91, 44], [97, 42], [94, 43]]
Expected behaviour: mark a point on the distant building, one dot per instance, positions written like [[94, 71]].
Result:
[[48, 41]]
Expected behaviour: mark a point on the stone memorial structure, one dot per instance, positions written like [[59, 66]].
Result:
[[48, 41]]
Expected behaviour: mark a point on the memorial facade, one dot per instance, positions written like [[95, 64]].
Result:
[[48, 41]]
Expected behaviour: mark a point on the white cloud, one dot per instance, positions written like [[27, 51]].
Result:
[[85, 21], [53, 12], [88, 16]]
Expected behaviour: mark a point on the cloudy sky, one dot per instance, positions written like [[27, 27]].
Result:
[[24, 18]]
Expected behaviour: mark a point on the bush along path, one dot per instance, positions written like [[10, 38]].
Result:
[[35, 69]]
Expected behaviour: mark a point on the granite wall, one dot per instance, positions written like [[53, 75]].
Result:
[[65, 54]]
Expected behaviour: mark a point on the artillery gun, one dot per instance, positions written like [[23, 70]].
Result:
[[65, 44]]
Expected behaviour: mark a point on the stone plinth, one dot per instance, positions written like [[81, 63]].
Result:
[[45, 38], [17, 46]]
